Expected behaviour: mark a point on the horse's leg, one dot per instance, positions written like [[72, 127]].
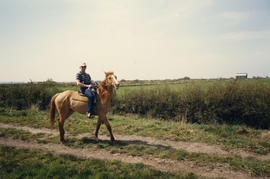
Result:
[[106, 122], [61, 129], [97, 128], [61, 121]]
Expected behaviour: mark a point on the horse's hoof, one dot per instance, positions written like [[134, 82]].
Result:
[[97, 140], [62, 141]]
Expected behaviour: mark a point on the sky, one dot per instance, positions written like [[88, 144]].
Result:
[[137, 39]]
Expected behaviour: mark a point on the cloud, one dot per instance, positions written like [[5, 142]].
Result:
[[234, 17], [191, 7], [247, 35]]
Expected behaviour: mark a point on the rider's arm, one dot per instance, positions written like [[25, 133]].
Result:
[[82, 85]]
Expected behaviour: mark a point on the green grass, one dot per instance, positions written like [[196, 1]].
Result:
[[19, 163], [227, 136], [29, 117]]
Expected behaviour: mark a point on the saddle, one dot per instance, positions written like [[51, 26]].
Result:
[[81, 97], [81, 94]]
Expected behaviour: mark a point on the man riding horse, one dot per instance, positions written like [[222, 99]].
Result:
[[69, 101], [87, 88]]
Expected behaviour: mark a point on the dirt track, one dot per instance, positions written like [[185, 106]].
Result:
[[160, 164], [133, 139]]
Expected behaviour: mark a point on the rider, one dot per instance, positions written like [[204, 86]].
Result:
[[85, 83]]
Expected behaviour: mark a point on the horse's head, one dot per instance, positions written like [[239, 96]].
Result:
[[111, 80]]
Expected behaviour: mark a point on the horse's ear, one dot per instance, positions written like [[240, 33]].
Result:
[[109, 73], [106, 73]]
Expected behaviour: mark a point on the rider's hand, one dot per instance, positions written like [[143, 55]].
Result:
[[89, 86]]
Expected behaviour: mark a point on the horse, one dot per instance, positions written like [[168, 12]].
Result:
[[71, 101]]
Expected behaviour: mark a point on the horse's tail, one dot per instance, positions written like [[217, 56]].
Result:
[[52, 110]]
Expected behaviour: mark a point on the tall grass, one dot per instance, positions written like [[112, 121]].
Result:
[[234, 102], [225, 101], [22, 96]]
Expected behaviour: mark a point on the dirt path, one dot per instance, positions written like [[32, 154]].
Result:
[[133, 139], [30, 129], [160, 164]]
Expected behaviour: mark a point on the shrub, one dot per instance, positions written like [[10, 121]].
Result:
[[22, 96], [233, 102]]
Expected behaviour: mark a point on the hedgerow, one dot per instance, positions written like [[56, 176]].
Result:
[[22, 96], [233, 102]]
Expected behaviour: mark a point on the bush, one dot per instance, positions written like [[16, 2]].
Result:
[[234, 102], [22, 96]]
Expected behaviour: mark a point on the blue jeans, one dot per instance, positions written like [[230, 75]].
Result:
[[91, 96]]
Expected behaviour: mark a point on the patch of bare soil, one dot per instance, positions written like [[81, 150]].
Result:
[[160, 164], [134, 139], [30, 129], [266, 134]]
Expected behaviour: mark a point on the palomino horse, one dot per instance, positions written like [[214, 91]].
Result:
[[70, 101]]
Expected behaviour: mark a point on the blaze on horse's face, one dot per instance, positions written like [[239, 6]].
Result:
[[111, 79]]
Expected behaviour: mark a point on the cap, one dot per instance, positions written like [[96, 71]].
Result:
[[83, 65]]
